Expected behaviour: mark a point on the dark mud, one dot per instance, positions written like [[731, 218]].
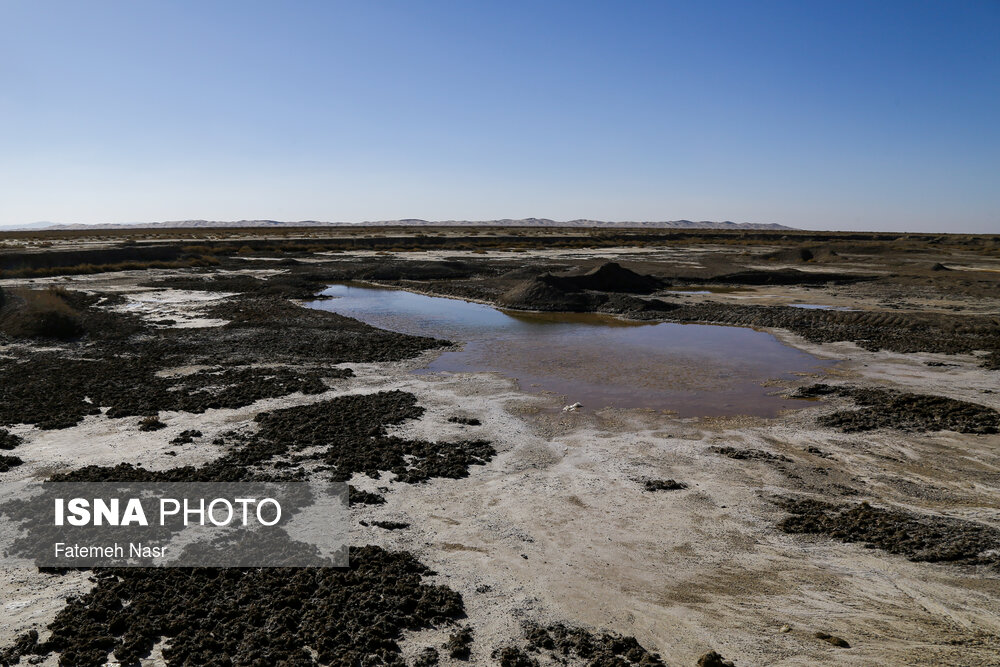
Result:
[[921, 538], [713, 659], [342, 436], [9, 462], [459, 644], [8, 440], [561, 643], [59, 314], [39, 314], [115, 363], [356, 496], [386, 525], [579, 293], [272, 329], [429, 657], [609, 277], [832, 639], [750, 454], [466, 421], [664, 485], [269, 616], [186, 437], [886, 408], [151, 424], [352, 431], [511, 656], [273, 616], [53, 391]]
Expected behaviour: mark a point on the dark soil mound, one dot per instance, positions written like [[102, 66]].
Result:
[[40, 314], [750, 454], [548, 293], [919, 538], [832, 639], [467, 421], [612, 277], [664, 485], [800, 254], [9, 462], [358, 497], [713, 659], [885, 408], [459, 644], [561, 642], [267, 616], [580, 293], [511, 656], [8, 440]]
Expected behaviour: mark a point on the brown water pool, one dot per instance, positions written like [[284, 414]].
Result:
[[597, 360]]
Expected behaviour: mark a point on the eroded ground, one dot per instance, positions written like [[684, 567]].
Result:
[[492, 527]]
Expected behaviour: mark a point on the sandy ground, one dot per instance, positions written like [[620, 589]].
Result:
[[558, 527]]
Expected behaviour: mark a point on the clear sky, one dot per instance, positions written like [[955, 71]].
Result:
[[821, 115]]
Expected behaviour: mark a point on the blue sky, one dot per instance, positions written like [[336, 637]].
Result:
[[821, 115]]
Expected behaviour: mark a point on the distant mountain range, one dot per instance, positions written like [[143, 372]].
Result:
[[409, 222]]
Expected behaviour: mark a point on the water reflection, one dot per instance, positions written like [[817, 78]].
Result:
[[598, 360]]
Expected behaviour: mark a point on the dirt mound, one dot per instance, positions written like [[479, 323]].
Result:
[[802, 254], [713, 659], [664, 485], [919, 538], [43, 313], [8, 440], [885, 408], [9, 462], [546, 292], [268, 616], [581, 293], [612, 277], [560, 642], [750, 454]]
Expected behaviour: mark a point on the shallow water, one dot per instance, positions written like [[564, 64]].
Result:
[[600, 361]]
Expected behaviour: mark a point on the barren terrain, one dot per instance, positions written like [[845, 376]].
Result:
[[493, 527]]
